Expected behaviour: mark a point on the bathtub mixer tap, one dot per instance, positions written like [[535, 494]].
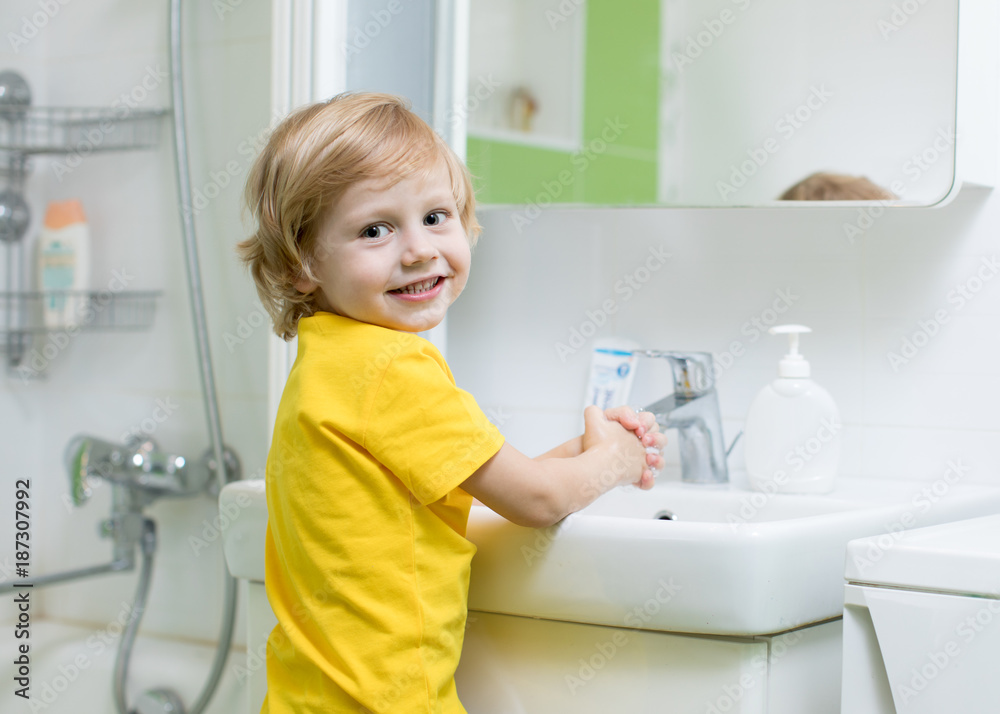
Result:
[[139, 473], [693, 409], [143, 467]]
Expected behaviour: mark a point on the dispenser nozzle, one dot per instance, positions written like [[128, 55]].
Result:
[[793, 365]]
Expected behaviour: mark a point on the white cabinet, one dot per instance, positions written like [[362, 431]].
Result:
[[515, 665]]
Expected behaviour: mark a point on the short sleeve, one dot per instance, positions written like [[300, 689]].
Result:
[[422, 427]]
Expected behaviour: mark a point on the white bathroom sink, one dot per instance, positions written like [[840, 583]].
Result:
[[707, 504], [733, 562]]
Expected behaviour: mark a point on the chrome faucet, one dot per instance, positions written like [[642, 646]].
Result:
[[139, 473], [693, 409]]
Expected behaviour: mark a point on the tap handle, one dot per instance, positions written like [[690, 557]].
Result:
[[87, 457], [77, 457], [693, 374]]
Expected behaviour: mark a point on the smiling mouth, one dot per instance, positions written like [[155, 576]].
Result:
[[417, 288]]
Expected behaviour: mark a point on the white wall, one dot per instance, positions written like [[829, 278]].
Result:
[[88, 54], [529, 290]]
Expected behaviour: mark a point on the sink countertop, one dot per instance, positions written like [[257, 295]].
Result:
[[734, 562], [743, 564]]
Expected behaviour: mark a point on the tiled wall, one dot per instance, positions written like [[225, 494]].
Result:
[[107, 385], [531, 289], [710, 274]]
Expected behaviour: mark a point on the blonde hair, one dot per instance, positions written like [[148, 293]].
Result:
[[309, 160], [822, 186]]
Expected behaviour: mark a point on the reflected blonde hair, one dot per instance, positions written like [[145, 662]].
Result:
[[309, 160], [823, 186]]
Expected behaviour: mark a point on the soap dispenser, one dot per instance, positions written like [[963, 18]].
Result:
[[793, 428]]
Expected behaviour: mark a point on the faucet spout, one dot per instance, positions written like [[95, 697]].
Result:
[[693, 409]]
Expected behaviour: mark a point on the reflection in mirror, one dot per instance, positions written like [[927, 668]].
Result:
[[823, 186], [709, 102]]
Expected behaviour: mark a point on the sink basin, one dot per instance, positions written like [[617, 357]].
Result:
[[705, 504], [731, 562]]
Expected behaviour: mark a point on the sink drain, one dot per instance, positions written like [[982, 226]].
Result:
[[665, 515]]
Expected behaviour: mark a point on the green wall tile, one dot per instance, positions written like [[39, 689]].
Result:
[[617, 161]]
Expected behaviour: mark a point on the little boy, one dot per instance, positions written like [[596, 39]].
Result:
[[365, 223]]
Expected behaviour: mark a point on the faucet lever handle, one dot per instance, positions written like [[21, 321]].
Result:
[[693, 375], [77, 458]]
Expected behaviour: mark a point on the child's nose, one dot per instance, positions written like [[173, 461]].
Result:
[[417, 247]]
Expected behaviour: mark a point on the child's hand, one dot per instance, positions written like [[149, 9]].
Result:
[[644, 426], [600, 431]]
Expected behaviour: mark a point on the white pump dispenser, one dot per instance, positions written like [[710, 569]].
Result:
[[793, 428]]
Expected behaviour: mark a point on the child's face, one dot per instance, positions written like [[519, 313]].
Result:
[[395, 256]]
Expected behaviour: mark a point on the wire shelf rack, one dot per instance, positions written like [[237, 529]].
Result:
[[24, 318], [71, 311], [62, 130]]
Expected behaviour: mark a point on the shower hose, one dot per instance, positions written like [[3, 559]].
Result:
[[148, 543]]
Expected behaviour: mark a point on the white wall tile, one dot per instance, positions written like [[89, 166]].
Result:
[[529, 291], [87, 55], [924, 454], [861, 299]]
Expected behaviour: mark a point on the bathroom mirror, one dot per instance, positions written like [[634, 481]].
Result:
[[708, 102]]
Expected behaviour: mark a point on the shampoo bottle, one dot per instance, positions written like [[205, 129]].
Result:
[[63, 263], [793, 429]]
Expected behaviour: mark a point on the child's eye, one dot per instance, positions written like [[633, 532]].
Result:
[[375, 232], [436, 218]]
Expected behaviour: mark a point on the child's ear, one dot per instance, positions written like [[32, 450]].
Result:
[[303, 283]]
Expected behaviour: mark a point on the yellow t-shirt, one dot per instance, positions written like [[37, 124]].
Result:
[[367, 564]]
